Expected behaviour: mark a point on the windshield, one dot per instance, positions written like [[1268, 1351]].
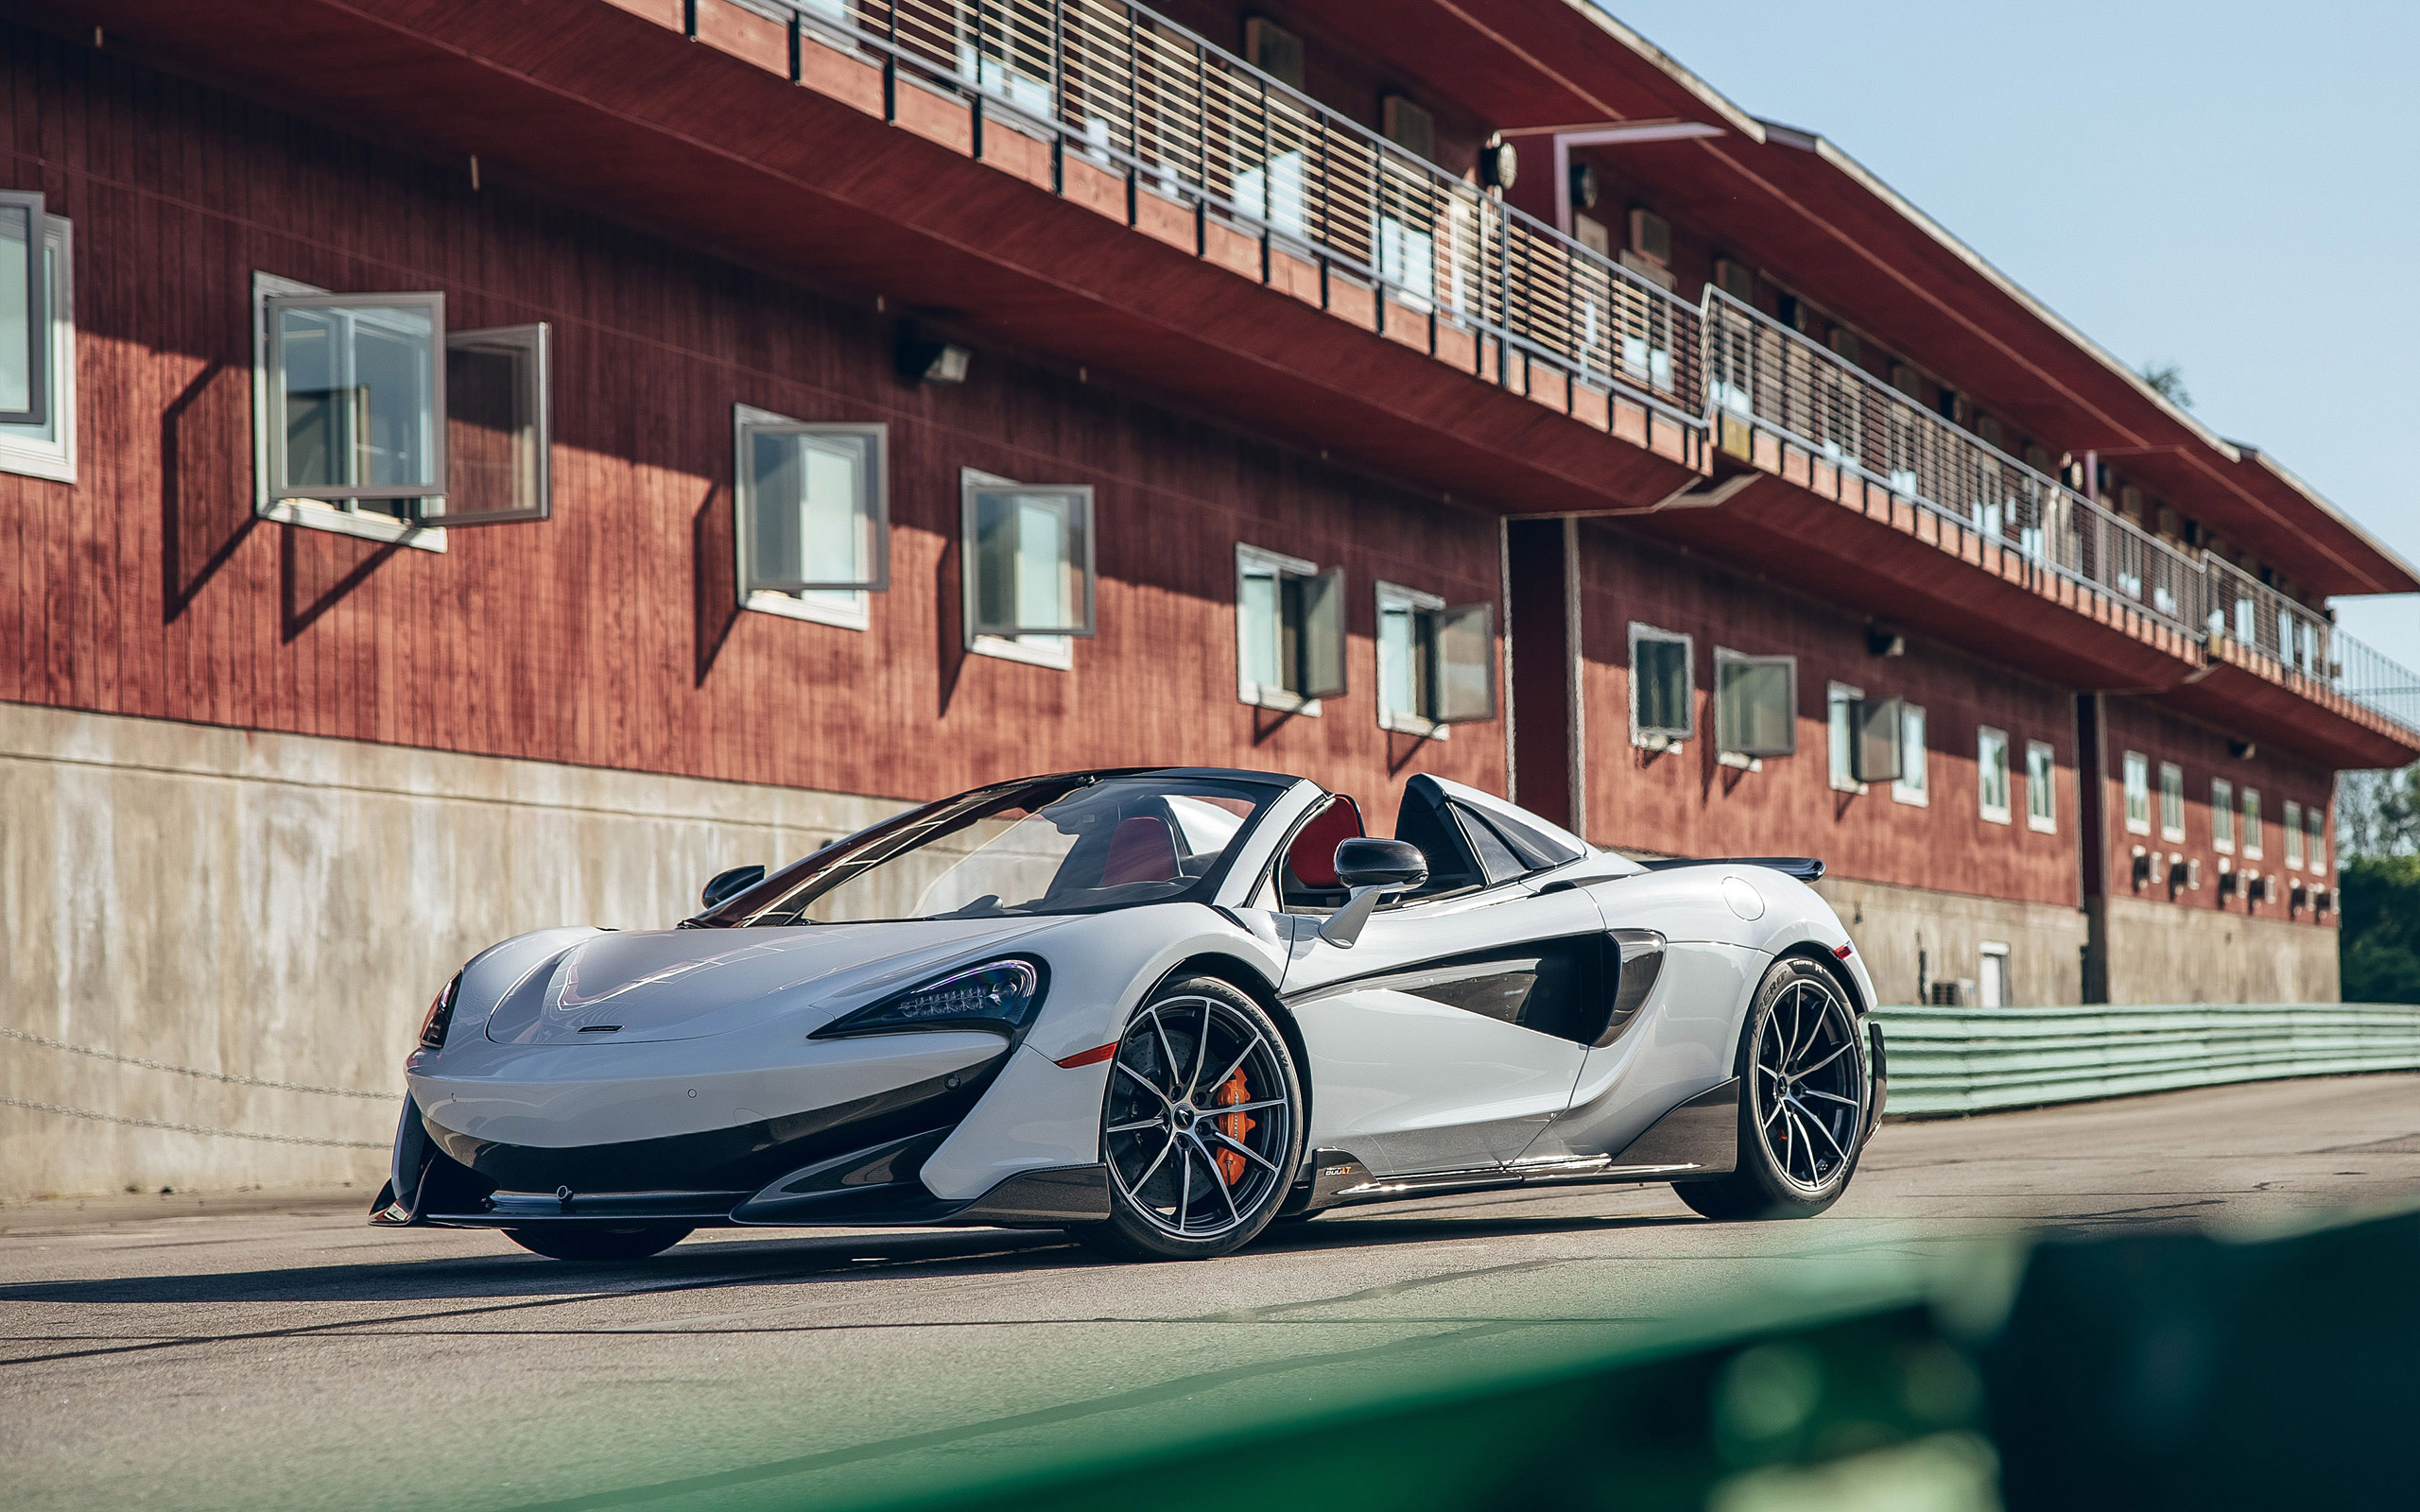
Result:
[[1062, 844]]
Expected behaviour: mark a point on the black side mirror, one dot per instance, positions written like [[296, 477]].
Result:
[[1368, 863], [727, 884]]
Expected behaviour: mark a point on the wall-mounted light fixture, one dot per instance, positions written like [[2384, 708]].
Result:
[[929, 359]]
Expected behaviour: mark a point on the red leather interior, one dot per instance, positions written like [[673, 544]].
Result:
[[1312, 856], [1141, 850]]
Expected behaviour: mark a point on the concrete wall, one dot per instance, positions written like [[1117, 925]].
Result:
[[231, 904], [1892, 925], [2159, 952]]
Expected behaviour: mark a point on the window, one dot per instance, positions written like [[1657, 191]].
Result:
[[814, 516], [1663, 693], [348, 391], [1755, 704], [24, 307], [2222, 814], [1289, 631], [2315, 838], [42, 448], [1029, 570], [2041, 787], [1991, 979], [1991, 773], [2138, 793], [1436, 664], [1911, 785], [1840, 719], [2171, 801], [2293, 828], [2250, 824]]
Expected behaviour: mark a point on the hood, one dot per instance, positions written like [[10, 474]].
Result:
[[685, 984]]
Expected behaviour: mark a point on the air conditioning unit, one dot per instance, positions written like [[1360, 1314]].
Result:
[[1274, 51], [2230, 881], [1958, 993], [2184, 875], [1734, 280], [1650, 236], [1410, 127], [2323, 900], [2263, 889], [2300, 898]]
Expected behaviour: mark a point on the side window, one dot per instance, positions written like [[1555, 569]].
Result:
[[1289, 631], [1436, 662], [1028, 567], [1662, 702], [814, 515]]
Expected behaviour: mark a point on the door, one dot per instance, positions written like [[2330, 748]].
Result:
[[1449, 1035]]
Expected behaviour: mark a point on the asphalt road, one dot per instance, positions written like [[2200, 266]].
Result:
[[296, 1358]]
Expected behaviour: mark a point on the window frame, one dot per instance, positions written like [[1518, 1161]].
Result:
[[2043, 818], [1663, 737], [1043, 648], [41, 308], [2248, 833], [1280, 567], [2006, 810], [1724, 746], [2222, 815], [54, 457], [1839, 736], [1394, 596], [310, 513], [2171, 786], [2315, 839], [857, 612], [2292, 825], [1916, 790], [536, 340], [2135, 775]]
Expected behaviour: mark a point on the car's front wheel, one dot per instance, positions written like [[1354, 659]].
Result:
[[1804, 1088], [581, 1243], [1202, 1127]]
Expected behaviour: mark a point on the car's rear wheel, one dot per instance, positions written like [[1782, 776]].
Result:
[[570, 1242], [1804, 1087], [1202, 1127]]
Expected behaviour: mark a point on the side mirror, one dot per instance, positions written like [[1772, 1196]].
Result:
[[727, 884], [1371, 868]]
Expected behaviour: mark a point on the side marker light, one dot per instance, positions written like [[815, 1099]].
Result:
[[1090, 1057], [1845, 952]]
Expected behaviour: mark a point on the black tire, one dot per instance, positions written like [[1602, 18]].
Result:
[[1803, 1091], [1163, 1101], [578, 1242]]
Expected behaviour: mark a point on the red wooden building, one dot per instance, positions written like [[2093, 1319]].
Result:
[[856, 401]]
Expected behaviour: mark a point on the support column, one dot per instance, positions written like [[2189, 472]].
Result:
[[1541, 625]]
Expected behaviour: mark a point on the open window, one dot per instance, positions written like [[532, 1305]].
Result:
[[814, 515], [1663, 690], [24, 312], [498, 434], [1436, 662], [1289, 631], [1028, 575], [1868, 742], [1755, 704], [1992, 774], [44, 448]]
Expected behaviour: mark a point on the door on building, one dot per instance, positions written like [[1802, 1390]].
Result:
[[1991, 982], [1450, 1033]]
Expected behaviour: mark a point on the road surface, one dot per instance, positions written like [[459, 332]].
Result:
[[295, 1358]]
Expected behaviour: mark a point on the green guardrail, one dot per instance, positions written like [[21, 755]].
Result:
[[1970, 1060], [2176, 1370]]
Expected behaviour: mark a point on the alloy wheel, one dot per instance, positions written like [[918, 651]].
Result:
[[1198, 1124], [1808, 1084]]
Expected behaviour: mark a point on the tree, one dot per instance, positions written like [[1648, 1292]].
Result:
[[2378, 814], [2380, 944], [2167, 380]]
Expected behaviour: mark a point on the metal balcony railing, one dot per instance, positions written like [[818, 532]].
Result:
[[1772, 378], [1176, 117]]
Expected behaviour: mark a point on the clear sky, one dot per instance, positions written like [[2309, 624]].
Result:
[[2234, 188]]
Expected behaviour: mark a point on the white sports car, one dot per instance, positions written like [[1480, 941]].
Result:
[[1160, 1007]]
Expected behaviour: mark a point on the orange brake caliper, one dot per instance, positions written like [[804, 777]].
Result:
[[1234, 1126]]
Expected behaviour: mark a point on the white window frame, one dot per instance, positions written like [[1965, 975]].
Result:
[[1914, 783], [1993, 949], [2248, 833], [23, 451], [534, 345], [40, 305], [2222, 816], [2041, 807], [2293, 828], [1840, 735], [1664, 739], [1747, 760], [846, 609], [2137, 770], [1058, 652], [1391, 596], [2315, 839], [2172, 785], [311, 513], [1280, 567], [2003, 812]]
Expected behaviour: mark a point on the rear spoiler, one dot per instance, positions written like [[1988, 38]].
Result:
[[1805, 868]]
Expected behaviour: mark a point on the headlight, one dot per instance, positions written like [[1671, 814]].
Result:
[[441, 1015], [1001, 996]]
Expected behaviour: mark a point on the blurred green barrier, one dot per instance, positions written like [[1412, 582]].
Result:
[[2139, 1372], [1964, 1060]]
